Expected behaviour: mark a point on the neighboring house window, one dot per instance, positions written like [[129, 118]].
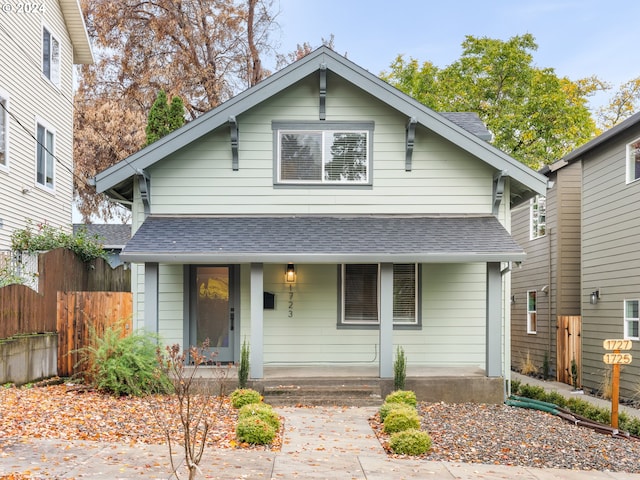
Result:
[[360, 294], [50, 56], [44, 156], [532, 312], [633, 161], [538, 217], [4, 132], [631, 320], [330, 153]]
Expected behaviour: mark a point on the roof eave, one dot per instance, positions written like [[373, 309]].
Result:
[[74, 19], [208, 257]]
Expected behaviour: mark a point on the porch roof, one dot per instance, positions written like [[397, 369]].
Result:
[[321, 239]]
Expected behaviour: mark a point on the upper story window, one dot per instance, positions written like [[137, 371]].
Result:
[[4, 132], [50, 56], [633, 161], [360, 294], [631, 319], [532, 312], [45, 156], [323, 153], [538, 217]]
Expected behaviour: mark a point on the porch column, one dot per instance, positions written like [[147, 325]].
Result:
[[151, 322], [494, 321], [386, 320], [256, 348]]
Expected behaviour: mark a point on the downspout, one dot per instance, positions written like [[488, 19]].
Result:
[[550, 292], [507, 334]]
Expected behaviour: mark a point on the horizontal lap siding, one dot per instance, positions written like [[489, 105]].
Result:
[[199, 179], [31, 96], [610, 254]]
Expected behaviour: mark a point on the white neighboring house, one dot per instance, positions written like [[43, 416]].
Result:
[[40, 44]]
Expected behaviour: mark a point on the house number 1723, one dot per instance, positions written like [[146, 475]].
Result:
[[290, 301]]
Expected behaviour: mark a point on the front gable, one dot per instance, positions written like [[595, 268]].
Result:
[[322, 87]]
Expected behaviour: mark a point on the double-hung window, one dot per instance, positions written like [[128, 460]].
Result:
[[361, 294], [631, 319], [633, 161], [532, 312], [50, 56], [323, 153], [45, 155], [4, 132], [538, 217]]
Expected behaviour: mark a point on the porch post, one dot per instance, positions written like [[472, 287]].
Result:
[[386, 320], [151, 275], [256, 347], [494, 320]]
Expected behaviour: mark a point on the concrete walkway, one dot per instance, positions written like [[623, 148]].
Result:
[[319, 443]]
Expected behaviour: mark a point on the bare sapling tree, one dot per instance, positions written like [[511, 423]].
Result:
[[199, 403]]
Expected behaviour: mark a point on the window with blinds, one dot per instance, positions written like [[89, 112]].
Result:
[[333, 153], [361, 292]]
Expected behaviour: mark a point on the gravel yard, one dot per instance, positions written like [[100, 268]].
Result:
[[499, 434]]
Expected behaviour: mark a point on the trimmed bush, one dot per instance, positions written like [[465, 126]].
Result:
[[244, 396], [387, 407], [400, 419], [410, 442], [254, 430], [262, 411], [402, 396]]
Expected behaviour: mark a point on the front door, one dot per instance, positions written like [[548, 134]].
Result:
[[213, 310]]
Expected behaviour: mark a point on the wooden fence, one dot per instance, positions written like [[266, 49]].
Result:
[[569, 348], [24, 311], [80, 314]]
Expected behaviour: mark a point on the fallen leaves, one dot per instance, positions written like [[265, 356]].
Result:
[[67, 412]]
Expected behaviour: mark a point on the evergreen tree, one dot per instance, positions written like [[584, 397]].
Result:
[[164, 119]]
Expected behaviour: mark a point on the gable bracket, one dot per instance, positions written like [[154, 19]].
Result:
[[498, 191], [323, 91], [233, 127], [411, 138], [144, 185]]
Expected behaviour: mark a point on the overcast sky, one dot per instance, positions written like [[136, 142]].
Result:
[[578, 38]]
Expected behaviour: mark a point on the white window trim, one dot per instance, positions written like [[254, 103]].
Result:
[[48, 128], [630, 165], [627, 320], [529, 312], [352, 323], [533, 232], [7, 157], [53, 78]]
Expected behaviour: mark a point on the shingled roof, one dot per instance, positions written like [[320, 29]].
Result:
[[321, 239]]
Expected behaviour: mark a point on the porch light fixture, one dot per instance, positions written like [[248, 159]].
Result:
[[595, 296], [290, 274]]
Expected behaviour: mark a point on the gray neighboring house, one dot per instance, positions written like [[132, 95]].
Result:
[[326, 218], [585, 264], [113, 236]]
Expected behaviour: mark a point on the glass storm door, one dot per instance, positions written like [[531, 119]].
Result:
[[213, 316]]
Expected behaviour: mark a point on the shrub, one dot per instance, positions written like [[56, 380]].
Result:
[[399, 369], [400, 419], [243, 396], [254, 430], [410, 442], [402, 396], [261, 410], [243, 371], [124, 365], [531, 391], [387, 407]]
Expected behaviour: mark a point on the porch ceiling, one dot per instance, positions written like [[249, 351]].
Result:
[[321, 239]]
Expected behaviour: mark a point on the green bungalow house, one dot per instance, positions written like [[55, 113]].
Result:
[[326, 218]]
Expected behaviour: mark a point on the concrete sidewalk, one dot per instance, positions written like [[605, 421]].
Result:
[[319, 443]]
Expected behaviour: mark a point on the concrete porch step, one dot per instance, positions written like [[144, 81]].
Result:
[[321, 392]]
